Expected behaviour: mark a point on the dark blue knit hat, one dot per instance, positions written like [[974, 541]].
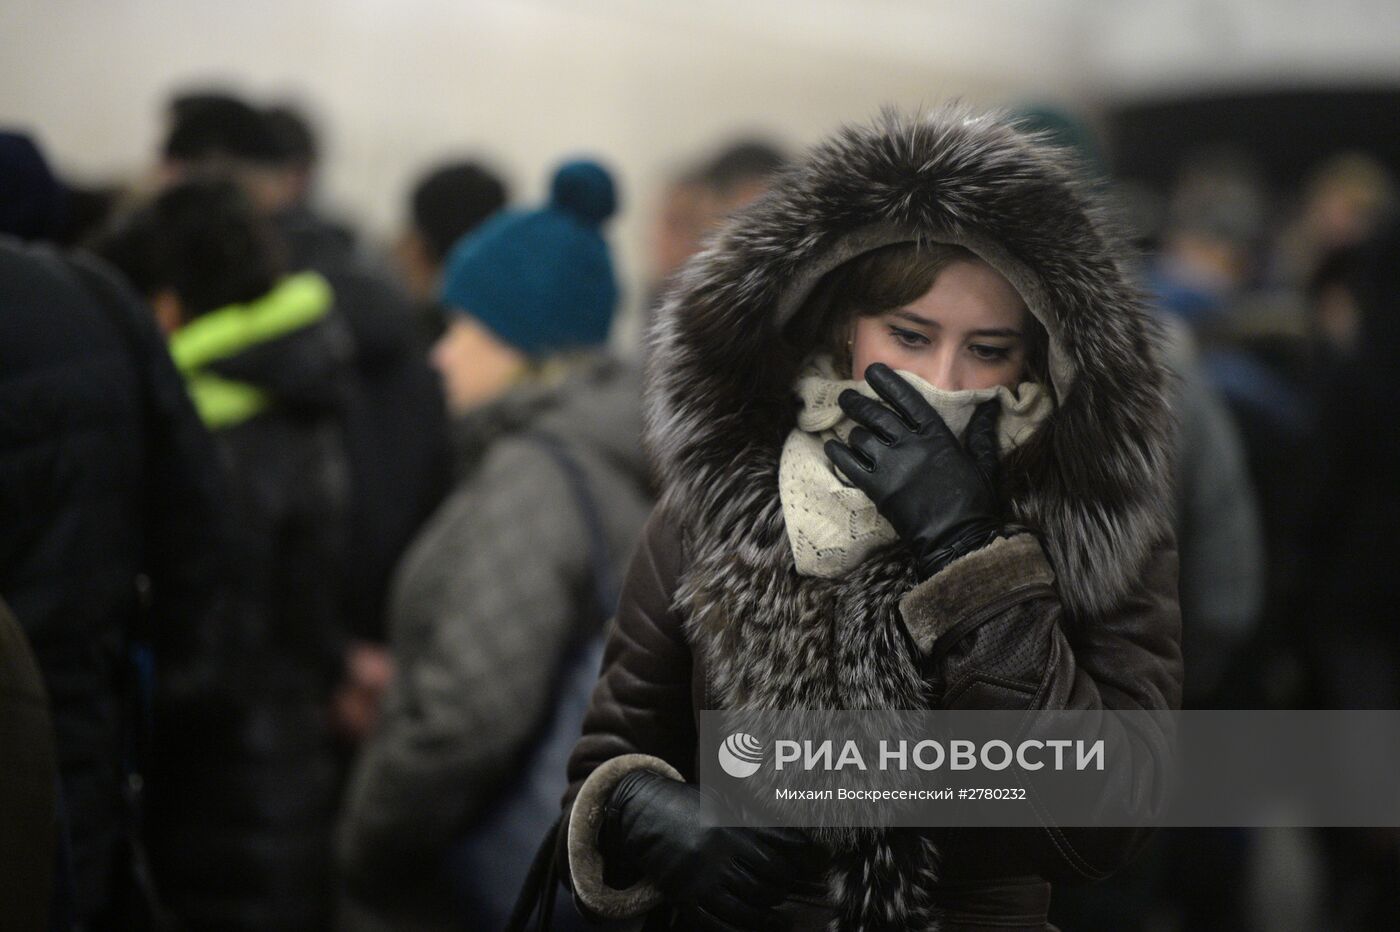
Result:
[[541, 280], [33, 204]]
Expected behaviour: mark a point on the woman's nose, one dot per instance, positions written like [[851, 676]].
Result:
[[946, 374]]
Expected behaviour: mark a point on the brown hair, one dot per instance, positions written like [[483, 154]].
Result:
[[884, 279]]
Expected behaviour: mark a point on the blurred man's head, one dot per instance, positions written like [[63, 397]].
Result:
[[297, 145], [215, 134], [742, 172], [1216, 220], [1346, 199], [446, 204], [699, 200], [199, 246]]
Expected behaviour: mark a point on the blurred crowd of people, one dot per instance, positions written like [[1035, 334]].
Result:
[[314, 543]]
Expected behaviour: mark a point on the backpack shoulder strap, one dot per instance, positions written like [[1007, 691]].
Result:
[[605, 587]]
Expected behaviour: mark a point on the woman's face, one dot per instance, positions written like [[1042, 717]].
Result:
[[475, 366], [966, 332]]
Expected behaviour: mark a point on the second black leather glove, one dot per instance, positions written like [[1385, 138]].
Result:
[[722, 877], [940, 498]]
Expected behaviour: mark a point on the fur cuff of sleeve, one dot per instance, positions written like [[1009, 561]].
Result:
[[586, 861], [970, 583]]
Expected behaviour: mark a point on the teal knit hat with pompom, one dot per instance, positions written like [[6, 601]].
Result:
[[542, 280]]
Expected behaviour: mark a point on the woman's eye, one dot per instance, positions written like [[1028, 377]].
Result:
[[990, 353], [908, 338]]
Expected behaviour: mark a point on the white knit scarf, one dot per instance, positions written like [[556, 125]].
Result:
[[832, 526]]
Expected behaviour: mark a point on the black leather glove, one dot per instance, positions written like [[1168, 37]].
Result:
[[722, 877], [941, 499]]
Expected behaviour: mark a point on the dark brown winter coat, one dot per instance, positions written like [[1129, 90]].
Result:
[[1079, 612]]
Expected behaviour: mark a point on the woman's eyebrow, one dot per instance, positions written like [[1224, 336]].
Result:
[[927, 322], [914, 318]]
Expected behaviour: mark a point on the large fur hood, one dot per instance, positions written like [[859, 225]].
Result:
[[1093, 481]]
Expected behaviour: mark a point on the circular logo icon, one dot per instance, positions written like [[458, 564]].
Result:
[[741, 755]]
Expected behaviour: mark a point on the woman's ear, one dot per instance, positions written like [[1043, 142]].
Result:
[[169, 310], [846, 361]]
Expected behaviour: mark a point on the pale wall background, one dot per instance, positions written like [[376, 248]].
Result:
[[645, 84]]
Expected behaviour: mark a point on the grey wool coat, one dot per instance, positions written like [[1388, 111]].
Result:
[[486, 602], [1078, 611]]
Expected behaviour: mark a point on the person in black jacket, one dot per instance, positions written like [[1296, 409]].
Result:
[[1349, 593], [112, 511], [243, 801], [446, 204], [395, 423]]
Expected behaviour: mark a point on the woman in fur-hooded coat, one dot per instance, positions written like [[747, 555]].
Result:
[[1075, 607]]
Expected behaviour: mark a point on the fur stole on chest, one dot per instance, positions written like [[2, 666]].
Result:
[[772, 639]]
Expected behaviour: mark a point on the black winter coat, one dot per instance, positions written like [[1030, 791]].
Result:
[[108, 489], [1351, 587], [246, 786], [395, 421]]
